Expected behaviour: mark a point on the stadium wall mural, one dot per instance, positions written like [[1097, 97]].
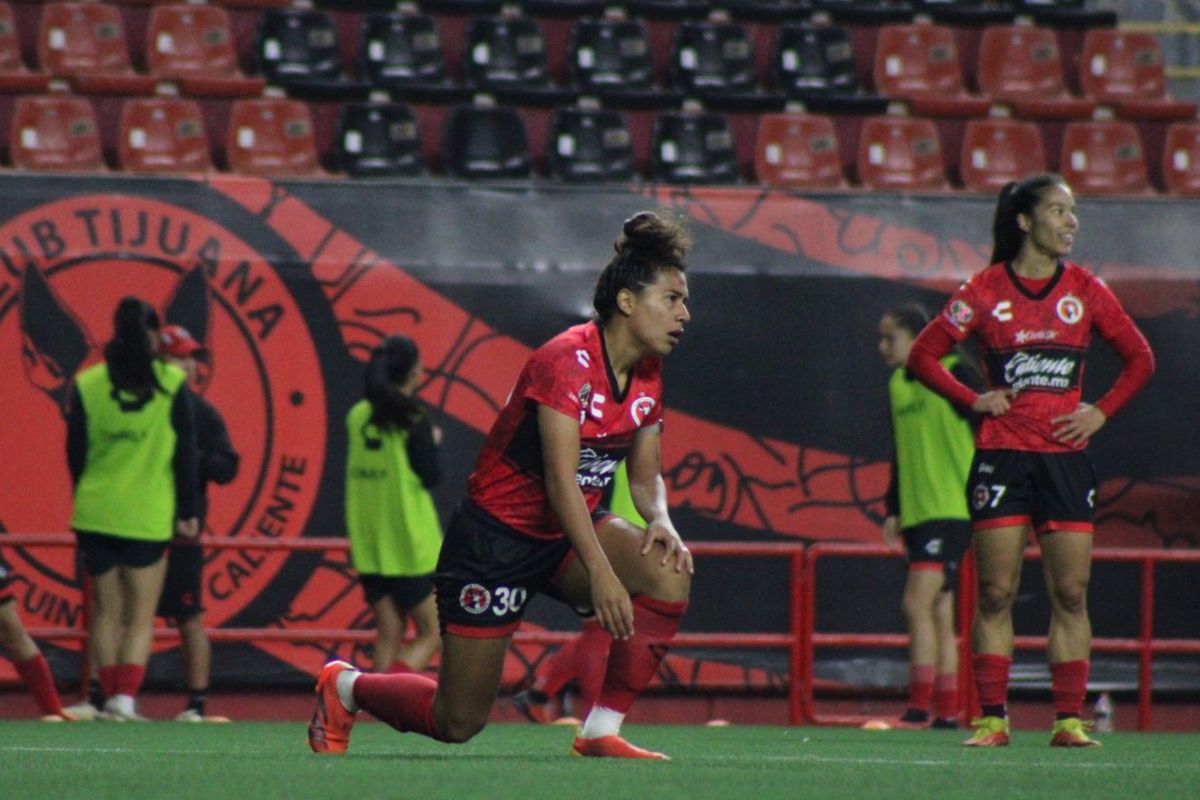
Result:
[[776, 426]]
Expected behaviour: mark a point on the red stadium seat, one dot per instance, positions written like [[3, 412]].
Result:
[[900, 153], [996, 151], [1181, 159], [272, 137], [919, 64], [798, 150], [1104, 157], [85, 43], [57, 133], [192, 46], [1021, 66], [163, 134], [1125, 69], [15, 77]]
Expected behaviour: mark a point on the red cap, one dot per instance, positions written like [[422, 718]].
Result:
[[176, 342]]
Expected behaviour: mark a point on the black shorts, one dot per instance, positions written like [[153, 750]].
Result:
[[101, 552], [1051, 491], [938, 544], [487, 574], [180, 599], [406, 591]]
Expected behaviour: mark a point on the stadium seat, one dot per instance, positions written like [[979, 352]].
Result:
[[162, 135], [1125, 69], [711, 57], [609, 57], [55, 133], [1104, 157], [590, 144], [85, 44], [505, 51], [192, 46], [815, 64], [798, 150], [996, 151], [377, 139], [1021, 66], [1181, 160], [919, 64], [690, 147], [485, 142], [400, 49], [900, 153], [15, 77], [297, 48], [271, 137]]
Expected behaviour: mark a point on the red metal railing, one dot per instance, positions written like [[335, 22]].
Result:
[[801, 639], [1145, 646], [791, 641]]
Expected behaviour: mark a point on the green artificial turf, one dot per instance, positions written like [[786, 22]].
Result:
[[97, 761]]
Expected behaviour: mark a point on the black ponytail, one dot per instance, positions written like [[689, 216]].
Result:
[[910, 316], [391, 363], [648, 244], [1016, 198], [130, 354]]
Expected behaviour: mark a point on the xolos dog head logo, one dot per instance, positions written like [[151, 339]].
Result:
[[63, 268]]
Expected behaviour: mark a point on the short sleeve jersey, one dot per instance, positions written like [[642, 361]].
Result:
[[570, 374], [1033, 343]]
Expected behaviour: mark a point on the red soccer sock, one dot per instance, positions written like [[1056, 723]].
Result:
[[402, 700], [592, 660], [129, 679], [1068, 686], [632, 662], [108, 679], [920, 687], [991, 680], [35, 673], [559, 669], [945, 695]]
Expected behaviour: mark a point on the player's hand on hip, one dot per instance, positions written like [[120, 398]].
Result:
[[993, 403], [891, 533], [673, 546], [614, 609], [1080, 425], [187, 528]]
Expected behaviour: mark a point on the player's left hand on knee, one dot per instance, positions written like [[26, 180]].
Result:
[[673, 546]]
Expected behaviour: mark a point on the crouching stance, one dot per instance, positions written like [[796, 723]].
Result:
[[586, 400]]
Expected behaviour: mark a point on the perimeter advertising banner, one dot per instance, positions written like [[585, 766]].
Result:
[[776, 424]]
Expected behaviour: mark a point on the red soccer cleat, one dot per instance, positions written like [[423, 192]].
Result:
[[1072, 732], [989, 732], [612, 747], [329, 729]]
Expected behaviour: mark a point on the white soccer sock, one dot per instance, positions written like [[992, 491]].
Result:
[[345, 689], [601, 721]]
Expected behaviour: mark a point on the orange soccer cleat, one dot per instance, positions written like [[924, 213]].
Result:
[[329, 729], [612, 747], [989, 732], [1072, 732]]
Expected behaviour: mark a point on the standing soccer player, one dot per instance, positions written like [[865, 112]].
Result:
[[585, 400], [1032, 313]]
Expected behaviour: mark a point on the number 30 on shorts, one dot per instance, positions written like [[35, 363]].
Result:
[[985, 496], [508, 600]]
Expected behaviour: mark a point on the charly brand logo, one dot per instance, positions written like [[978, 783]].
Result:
[[63, 268]]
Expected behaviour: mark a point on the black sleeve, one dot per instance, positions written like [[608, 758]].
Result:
[[186, 460], [423, 453], [77, 444], [218, 459]]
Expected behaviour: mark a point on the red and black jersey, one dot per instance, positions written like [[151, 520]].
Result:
[[570, 373], [1033, 342]]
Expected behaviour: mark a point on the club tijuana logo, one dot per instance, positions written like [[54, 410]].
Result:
[[63, 268]]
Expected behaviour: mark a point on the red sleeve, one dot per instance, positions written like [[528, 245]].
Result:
[[1138, 360], [933, 343], [555, 381]]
